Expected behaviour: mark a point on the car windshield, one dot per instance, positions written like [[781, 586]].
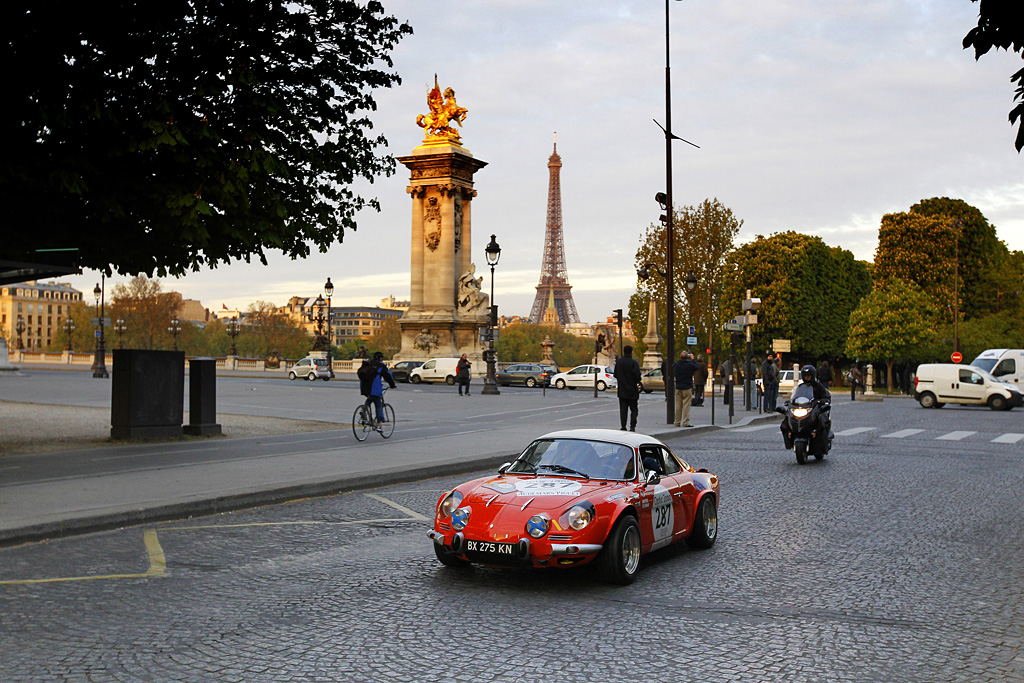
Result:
[[985, 364], [577, 458]]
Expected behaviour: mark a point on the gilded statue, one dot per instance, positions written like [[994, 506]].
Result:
[[444, 111]]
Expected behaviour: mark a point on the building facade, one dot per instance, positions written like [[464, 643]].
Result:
[[41, 309]]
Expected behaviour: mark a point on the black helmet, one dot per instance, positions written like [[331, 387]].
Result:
[[808, 373], [378, 354]]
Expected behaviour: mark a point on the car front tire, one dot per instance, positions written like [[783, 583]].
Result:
[[291, 375], [619, 560], [560, 384], [998, 403], [448, 558], [415, 379], [705, 525]]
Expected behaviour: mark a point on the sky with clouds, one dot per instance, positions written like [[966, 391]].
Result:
[[812, 116]]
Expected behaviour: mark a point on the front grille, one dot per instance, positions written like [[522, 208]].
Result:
[[559, 538]]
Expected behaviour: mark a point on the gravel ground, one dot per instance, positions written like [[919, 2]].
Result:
[[38, 428]]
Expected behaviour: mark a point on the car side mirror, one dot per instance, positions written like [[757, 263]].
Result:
[[652, 479], [504, 468]]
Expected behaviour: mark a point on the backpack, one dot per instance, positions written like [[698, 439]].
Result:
[[366, 373]]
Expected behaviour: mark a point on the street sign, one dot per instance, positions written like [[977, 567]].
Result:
[[782, 345], [97, 334], [96, 321], [693, 330], [957, 356], [691, 341], [732, 327]]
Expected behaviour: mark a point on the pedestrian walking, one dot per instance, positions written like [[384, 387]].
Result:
[[700, 380], [684, 370], [627, 375], [856, 378], [825, 374], [462, 374], [770, 381]]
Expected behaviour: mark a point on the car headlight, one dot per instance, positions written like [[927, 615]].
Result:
[[450, 502], [537, 526], [579, 516], [460, 518], [801, 412]]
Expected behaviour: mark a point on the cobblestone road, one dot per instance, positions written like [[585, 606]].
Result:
[[896, 559]]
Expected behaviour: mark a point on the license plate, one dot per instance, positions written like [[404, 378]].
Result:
[[491, 551]]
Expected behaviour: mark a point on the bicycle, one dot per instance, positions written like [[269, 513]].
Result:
[[363, 421]]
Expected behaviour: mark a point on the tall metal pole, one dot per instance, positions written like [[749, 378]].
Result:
[[670, 318], [99, 364]]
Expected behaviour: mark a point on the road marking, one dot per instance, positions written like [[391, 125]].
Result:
[[1009, 437], [581, 415], [902, 434], [954, 436], [157, 566], [855, 430], [401, 508]]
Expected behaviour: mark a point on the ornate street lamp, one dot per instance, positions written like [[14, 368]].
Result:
[[69, 327], [493, 253], [316, 315], [175, 329], [233, 333], [120, 327], [19, 327], [328, 291], [99, 363]]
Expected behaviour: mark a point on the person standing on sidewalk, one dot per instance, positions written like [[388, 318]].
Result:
[[770, 381], [684, 370], [856, 379], [462, 375], [627, 375], [825, 374], [700, 380]]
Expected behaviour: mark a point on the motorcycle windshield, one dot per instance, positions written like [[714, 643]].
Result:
[[803, 391]]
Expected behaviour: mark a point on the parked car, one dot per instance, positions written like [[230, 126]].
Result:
[[400, 370], [653, 380], [787, 382], [583, 376], [435, 370], [937, 384], [311, 369], [527, 374], [579, 496]]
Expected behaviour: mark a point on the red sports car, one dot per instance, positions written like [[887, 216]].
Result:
[[578, 496]]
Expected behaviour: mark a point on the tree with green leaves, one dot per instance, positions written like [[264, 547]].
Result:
[[147, 311], [387, 339], [1001, 25], [521, 342], [807, 291], [893, 322], [191, 134], [704, 236]]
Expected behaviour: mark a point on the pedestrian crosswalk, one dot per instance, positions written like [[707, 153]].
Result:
[[958, 435]]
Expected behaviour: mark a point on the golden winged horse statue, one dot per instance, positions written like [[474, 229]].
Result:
[[444, 111]]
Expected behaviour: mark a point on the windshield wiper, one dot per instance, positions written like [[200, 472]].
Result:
[[564, 470]]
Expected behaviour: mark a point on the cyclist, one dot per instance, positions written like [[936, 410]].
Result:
[[372, 376]]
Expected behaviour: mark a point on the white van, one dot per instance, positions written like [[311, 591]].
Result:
[[435, 370], [940, 383], [1006, 365]]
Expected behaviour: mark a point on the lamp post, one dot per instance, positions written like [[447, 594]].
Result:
[[328, 291], [19, 327], [175, 329], [956, 287], [120, 327], [233, 333], [99, 364], [316, 315], [69, 327], [493, 253]]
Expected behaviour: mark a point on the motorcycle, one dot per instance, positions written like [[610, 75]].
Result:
[[807, 426]]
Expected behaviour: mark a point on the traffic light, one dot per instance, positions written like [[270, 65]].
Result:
[[618, 319]]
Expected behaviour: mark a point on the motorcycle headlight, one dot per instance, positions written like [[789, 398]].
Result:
[[450, 502], [537, 526], [801, 412], [579, 516], [460, 518]]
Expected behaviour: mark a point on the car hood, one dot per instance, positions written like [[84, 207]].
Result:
[[536, 492]]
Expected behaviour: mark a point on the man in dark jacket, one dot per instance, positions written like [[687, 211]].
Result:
[[700, 380], [627, 375], [372, 376], [462, 374], [770, 382], [684, 370]]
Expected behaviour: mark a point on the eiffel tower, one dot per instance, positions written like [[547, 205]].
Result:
[[554, 278]]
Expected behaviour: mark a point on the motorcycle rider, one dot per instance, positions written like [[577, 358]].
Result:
[[809, 376]]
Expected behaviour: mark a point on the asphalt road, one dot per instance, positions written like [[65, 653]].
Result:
[[898, 558]]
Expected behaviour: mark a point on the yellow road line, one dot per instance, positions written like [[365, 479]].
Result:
[[157, 566]]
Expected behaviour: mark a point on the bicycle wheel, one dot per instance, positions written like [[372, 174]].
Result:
[[387, 427], [361, 424]]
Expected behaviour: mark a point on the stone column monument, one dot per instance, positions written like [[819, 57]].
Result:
[[447, 304], [652, 356]]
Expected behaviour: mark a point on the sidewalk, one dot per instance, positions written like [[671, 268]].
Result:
[[90, 484]]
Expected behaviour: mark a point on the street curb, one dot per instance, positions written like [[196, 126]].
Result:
[[284, 494]]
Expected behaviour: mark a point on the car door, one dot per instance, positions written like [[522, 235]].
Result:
[[427, 371], [972, 386], [577, 377], [663, 517]]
